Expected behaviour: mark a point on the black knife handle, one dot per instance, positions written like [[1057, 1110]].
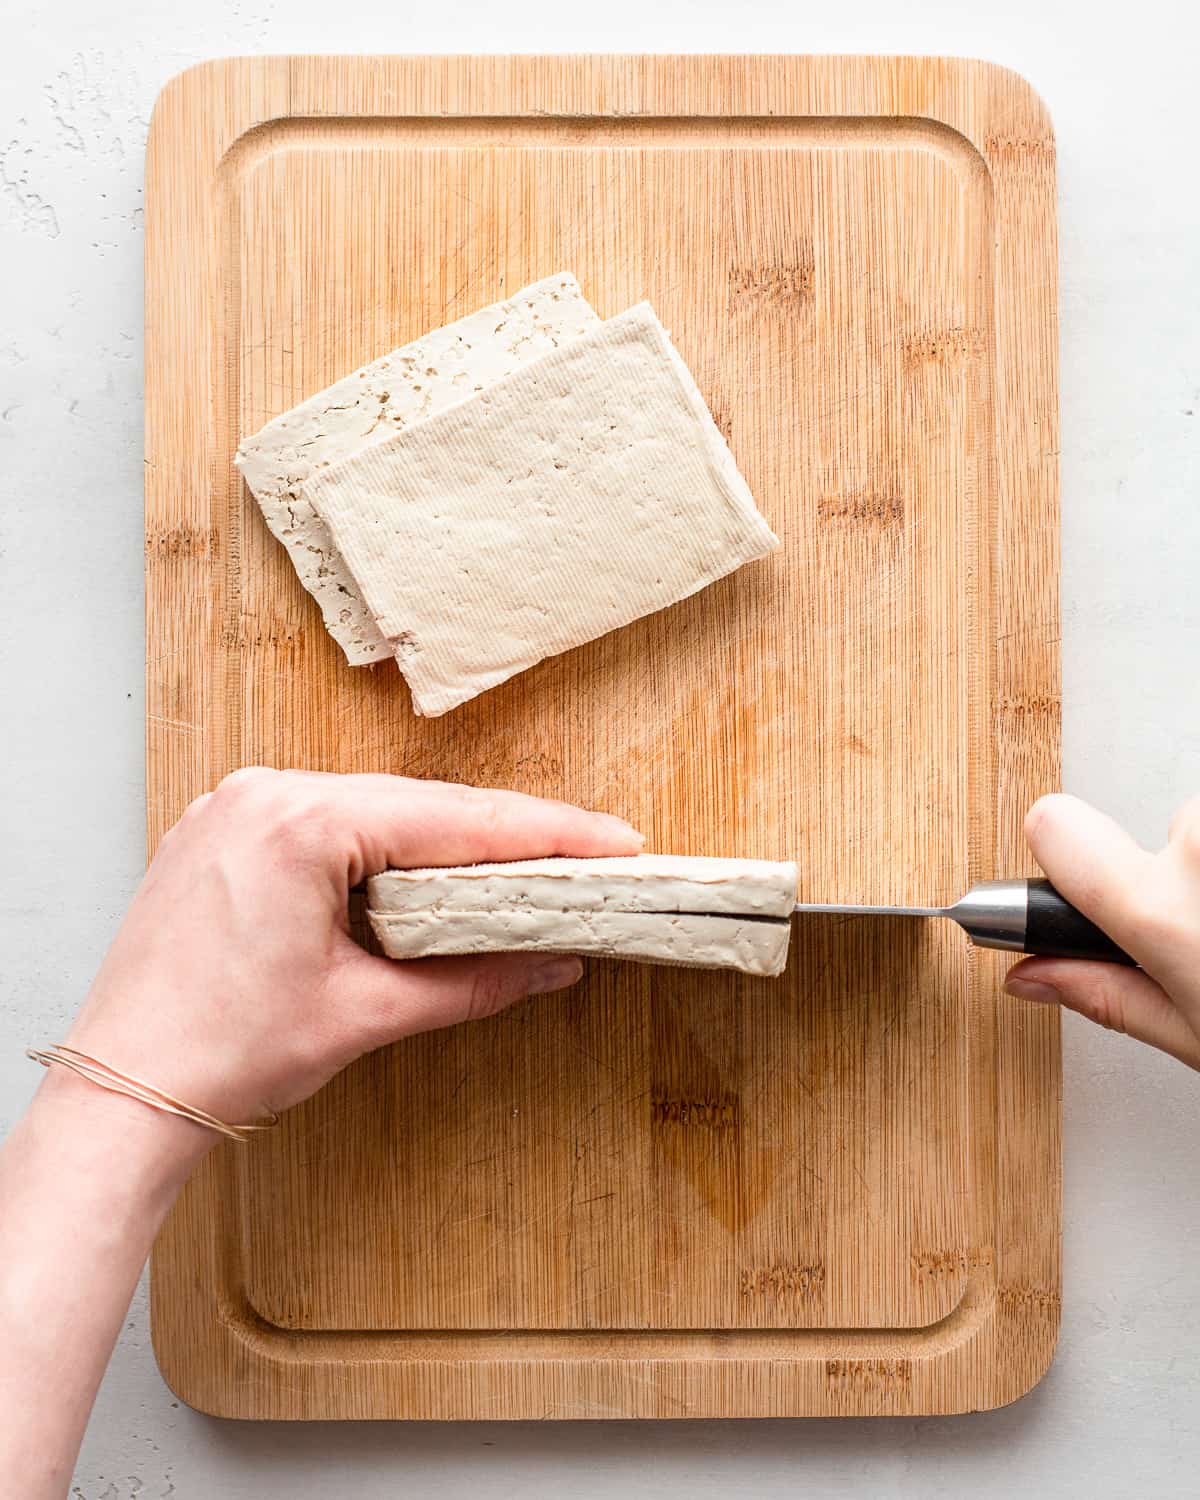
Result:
[[1054, 929]]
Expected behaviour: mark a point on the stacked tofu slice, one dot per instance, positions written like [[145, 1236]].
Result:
[[659, 908], [502, 490]]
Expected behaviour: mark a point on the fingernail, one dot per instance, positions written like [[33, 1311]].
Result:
[[554, 976], [1033, 989]]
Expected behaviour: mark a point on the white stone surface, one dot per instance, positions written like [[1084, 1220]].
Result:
[[1117, 1414]]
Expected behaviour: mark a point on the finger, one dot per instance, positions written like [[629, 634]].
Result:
[[1182, 856], [1120, 999], [1177, 911], [397, 821], [1185, 825], [1093, 862], [391, 999]]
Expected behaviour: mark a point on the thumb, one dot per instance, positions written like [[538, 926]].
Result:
[[1095, 864], [385, 999], [1121, 999]]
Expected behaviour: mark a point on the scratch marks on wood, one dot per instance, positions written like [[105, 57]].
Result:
[[771, 285], [1032, 153], [453, 752], [882, 508], [181, 724], [943, 346], [718, 1113], [953, 1261], [1031, 706], [181, 541], [250, 632], [1022, 1297], [863, 1375], [783, 1279]]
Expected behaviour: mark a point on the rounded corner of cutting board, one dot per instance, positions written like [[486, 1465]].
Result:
[[1015, 89], [199, 114], [1031, 1364], [192, 1370], [195, 82]]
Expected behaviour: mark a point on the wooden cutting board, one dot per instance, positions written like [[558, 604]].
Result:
[[665, 1193]]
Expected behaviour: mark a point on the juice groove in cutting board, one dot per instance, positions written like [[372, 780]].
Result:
[[664, 1193]]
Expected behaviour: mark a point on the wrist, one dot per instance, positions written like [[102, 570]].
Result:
[[142, 1152]]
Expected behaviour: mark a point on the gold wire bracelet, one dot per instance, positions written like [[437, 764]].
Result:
[[108, 1078]]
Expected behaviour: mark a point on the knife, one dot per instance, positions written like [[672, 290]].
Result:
[[1024, 916]]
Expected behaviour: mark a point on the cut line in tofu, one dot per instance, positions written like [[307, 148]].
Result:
[[405, 386], [581, 492], [673, 909]]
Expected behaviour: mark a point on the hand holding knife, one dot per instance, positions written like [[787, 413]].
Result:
[[1024, 916]]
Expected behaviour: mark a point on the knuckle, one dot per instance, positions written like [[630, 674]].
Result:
[[485, 807], [278, 810], [1105, 1006], [244, 779], [196, 806], [188, 816], [295, 827]]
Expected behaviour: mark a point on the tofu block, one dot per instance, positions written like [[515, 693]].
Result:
[[746, 944], [579, 493], [656, 908], [622, 882], [364, 409]]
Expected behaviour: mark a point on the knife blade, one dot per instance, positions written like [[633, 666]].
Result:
[[1022, 916]]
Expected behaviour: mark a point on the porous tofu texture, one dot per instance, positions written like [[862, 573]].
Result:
[[705, 913], [582, 491], [367, 407]]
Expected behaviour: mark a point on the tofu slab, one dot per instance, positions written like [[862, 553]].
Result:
[[695, 942], [579, 493], [367, 407], [626, 882], [703, 913]]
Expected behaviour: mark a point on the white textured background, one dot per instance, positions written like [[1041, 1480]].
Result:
[[1119, 1413]]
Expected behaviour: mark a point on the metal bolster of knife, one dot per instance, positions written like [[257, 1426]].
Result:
[[994, 914], [1030, 916]]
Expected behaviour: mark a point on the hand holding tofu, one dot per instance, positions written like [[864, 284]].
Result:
[[234, 983]]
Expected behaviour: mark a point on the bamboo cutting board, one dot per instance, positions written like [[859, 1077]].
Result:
[[666, 1193]]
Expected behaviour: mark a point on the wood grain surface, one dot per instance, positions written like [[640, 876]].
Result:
[[665, 1193]]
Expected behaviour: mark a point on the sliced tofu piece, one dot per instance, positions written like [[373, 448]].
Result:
[[367, 407], [624, 882], [750, 944], [583, 491], [704, 913]]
